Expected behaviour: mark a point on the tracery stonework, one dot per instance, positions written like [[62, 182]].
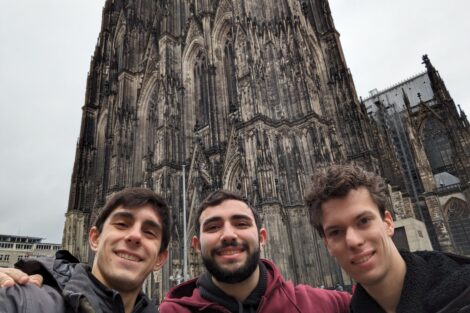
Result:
[[249, 95]]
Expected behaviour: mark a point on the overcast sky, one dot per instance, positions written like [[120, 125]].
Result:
[[45, 51]]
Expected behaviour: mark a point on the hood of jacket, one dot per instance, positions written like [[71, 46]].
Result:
[[84, 290], [188, 295], [80, 289], [55, 271], [433, 280]]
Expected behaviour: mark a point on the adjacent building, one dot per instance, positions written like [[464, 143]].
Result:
[[14, 248]]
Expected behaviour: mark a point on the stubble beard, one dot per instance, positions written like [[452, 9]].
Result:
[[232, 276]]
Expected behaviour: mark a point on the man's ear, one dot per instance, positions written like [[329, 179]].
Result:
[[388, 221], [94, 238], [196, 244], [263, 236], [161, 259]]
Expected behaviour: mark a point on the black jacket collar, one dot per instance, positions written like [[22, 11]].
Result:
[[213, 293]]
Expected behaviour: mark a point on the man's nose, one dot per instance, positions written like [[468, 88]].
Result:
[[228, 233], [354, 238], [134, 234]]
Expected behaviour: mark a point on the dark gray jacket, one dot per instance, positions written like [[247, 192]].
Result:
[[435, 282], [69, 286]]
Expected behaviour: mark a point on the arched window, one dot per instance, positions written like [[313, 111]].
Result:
[[103, 155], [272, 79], [230, 75], [235, 177], [437, 146], [201, 90], [458, 219], [119, 46]]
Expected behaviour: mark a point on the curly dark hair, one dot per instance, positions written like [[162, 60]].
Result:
[[216, 198], [134, 198], [336, 181]]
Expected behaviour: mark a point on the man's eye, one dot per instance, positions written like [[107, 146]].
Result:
[[243, 224], [333, 233], [364, 221], [120, 224], [150, 233], [210, 228]]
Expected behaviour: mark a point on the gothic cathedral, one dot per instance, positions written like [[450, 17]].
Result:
[[247, 95]]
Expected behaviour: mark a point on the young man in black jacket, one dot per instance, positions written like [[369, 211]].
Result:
[[347, 207], [129, 238]]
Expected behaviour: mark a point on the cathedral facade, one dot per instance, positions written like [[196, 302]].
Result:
[[249, 95]]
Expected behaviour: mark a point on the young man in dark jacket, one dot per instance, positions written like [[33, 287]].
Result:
[[229, 237], [130, 239], [347, 207]]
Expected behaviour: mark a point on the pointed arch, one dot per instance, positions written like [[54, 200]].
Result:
[[457, 213], [230, 74], [272, 77], [119, 41], [201, 89], [147, 121], [233, 175], [225, 61], [194, 63], [437, 145], [102, 154]]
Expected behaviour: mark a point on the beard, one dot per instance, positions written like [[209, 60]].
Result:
[[232, 276]]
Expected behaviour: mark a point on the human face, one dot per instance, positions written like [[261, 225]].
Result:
[[229, 241], [127, 249], [358, 237]]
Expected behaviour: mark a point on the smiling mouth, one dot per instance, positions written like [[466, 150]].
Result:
[[229, 251], [363, 259], [128, 257]]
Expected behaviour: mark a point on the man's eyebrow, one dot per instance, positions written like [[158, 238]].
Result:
[[129, 215], [211, 219], [233, 217], [361, 215], [122, 214], [241, 217]]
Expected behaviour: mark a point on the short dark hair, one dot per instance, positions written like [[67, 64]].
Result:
[[336, 181], [134, 198], [216, 198]]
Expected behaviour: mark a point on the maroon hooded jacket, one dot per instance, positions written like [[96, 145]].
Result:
[[280, 296]]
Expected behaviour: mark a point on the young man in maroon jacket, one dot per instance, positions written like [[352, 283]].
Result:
[[229, 237]]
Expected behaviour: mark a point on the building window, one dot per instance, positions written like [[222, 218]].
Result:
[[201, 90], [44, 247], [24, 247], [230, 75], [459, 223], [437, 146]]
